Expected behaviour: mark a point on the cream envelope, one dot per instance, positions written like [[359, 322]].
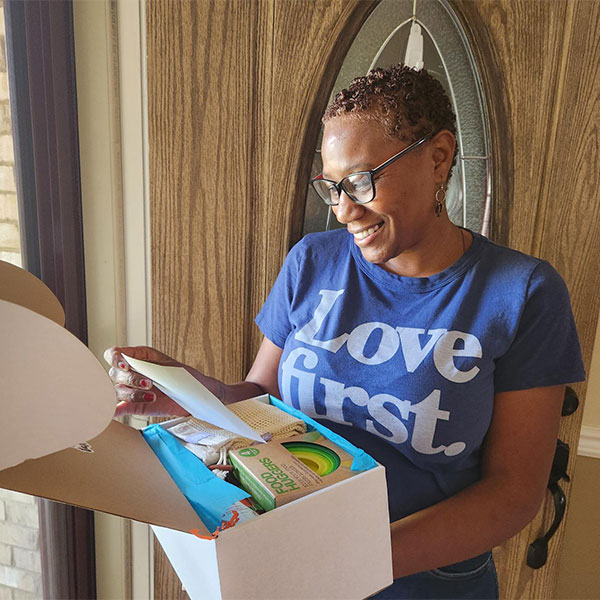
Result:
[[189, 393], [334, 543]]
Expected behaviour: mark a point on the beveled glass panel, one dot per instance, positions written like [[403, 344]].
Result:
[[476, 180]]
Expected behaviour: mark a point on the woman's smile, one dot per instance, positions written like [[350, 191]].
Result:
[[364, 236]]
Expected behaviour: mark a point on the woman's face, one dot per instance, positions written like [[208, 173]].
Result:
[[401, 219]]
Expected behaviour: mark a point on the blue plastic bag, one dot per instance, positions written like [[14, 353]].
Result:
[[209, 496]]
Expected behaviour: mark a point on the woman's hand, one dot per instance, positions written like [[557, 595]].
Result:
[[138, 396], [136, 393]]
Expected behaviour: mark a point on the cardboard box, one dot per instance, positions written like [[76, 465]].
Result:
[[333, 543]]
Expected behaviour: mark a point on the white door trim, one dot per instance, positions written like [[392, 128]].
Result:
[[111, 93], [589, 442]]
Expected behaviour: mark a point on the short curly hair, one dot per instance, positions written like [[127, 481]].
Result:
[[407, 103]]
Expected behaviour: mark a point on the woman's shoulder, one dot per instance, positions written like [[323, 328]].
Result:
[[504, 257], [514, 265], [321, 239], [316, 253], [321, 246]]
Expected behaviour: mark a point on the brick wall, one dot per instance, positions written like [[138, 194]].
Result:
[[9, 226], [20, 570]]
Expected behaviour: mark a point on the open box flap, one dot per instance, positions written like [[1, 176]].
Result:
[[53, 394], [21, 287], [122, 476]]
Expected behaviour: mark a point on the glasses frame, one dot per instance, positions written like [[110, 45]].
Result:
[[339, 186]]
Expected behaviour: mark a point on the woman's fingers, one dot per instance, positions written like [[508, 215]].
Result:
[[126, 393], [131, 378], [114, 356], [161, 407], [135, 393]]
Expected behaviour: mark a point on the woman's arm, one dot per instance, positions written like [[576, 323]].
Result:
[[261, 379], [518, 453], [263, 372]]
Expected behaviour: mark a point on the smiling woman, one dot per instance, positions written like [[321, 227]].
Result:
[[446, 54], [250, 186], [416, 340]]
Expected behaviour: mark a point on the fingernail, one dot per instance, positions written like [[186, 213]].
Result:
[[148, 397], [122, 365], [145, 383]]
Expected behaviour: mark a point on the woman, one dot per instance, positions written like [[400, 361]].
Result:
[[443, 355]]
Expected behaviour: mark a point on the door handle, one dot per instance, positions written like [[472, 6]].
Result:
[[537, 553], [570, 402]]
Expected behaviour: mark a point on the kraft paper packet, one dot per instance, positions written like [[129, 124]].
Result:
[[190, 394]]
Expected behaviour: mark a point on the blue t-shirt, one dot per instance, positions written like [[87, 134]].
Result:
[[407, 368]]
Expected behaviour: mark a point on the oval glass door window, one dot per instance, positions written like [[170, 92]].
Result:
[[381, 42]]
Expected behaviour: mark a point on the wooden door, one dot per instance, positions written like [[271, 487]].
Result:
[[235, 93], [540, 65], [236, 89]]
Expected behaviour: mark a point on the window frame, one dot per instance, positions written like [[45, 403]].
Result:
[[43, 100]]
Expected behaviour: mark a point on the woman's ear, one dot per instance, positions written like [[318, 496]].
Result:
[[443, 144]]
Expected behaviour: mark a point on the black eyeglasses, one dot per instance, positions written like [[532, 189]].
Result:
[[359, 187]]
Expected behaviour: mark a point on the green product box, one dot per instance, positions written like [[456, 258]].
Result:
[[272, 475]]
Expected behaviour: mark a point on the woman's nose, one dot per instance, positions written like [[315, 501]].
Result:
[[347, 210]]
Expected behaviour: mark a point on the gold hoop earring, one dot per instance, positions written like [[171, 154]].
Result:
[[440, 199]]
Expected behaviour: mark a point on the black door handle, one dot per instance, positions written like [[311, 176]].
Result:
[[537, 552], [570, 402]]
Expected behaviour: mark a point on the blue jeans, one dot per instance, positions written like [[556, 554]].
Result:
[[474, 579]]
